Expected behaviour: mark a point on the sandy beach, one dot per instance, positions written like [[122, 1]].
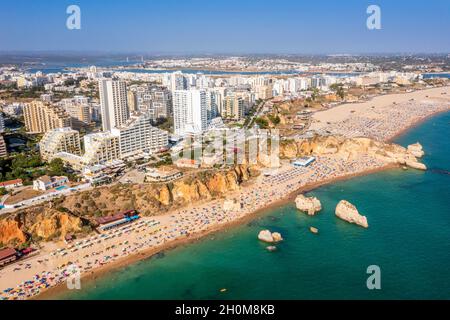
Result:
[[44, 275], [383, 117]]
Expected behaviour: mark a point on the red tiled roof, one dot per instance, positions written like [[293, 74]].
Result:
[[10, 182], [6, 253], [108, 219]]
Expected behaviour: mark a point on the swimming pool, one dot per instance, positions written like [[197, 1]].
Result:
[[60, 188]]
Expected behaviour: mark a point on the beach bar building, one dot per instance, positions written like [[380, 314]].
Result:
[[114, 221], [7, 256], [303, 162]]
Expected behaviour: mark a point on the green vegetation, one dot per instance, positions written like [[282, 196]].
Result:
[[262, 123], [274, 119], [3, 191], [33, 92], [25, 167], [338, 89], [29, 167], [164, 124]]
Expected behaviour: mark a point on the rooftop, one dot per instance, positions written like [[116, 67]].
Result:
[[6, 253]]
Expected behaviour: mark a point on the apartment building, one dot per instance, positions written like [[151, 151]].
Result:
[[41, 117], [189, 111], [59, 140], [100, 148], [138, 136], [114, 105]]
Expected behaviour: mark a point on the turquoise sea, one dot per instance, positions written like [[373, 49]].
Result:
[[408, 238]]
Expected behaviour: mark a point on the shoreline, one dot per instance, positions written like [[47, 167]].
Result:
[[416, 123], [101, 272]]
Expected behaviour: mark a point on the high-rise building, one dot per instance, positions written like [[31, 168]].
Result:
[[161, 102], [132, 101], [138, 136], [100, 148], [3, 151], [189, 111], [59, 140], [41, 117], [233, 107], [113, 100], [144, 99], [178, 81], [213, 104], [2, 123], [79, 109]]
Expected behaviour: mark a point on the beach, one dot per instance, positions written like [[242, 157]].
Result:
[[98, 254]]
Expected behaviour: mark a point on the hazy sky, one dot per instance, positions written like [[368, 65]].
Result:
[[232, 26]]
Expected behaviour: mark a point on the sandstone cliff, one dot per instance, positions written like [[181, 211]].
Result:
[[76, 213], [351, 148]]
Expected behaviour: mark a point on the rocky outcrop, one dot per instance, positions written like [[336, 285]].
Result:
[[352, 148], [39, 224], [189, 192], [54, 220], [416, 165], [314, 230], [348, 212], [277, 237], [267, 236], [416, 150], [309, 205], [53, 225], [10, 232]]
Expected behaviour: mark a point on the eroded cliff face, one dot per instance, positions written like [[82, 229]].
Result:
[[351, 148], [53, 225], [68, 215], [11, 232], [37, 224]]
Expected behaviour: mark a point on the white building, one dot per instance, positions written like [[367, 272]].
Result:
[[189, 111], [100, 148], [138, 136], [46, 183], [2, 123], [59, 140], [113, 100]]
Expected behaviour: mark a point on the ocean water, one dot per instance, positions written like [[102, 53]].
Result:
[[408, 238]]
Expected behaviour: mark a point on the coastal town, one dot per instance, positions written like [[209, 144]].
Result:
[[102, 166]]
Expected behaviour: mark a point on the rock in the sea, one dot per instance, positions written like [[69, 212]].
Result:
[[314, 230], [348, 212], [310, 205], [277, 237], [267, 236], [416, 165], [416, 150], [271, 248]]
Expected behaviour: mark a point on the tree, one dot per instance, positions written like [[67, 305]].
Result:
[[262, 123], [338, 89], [56, 167]]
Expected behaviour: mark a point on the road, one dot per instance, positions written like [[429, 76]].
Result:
[[43, 198], [256, 114]]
